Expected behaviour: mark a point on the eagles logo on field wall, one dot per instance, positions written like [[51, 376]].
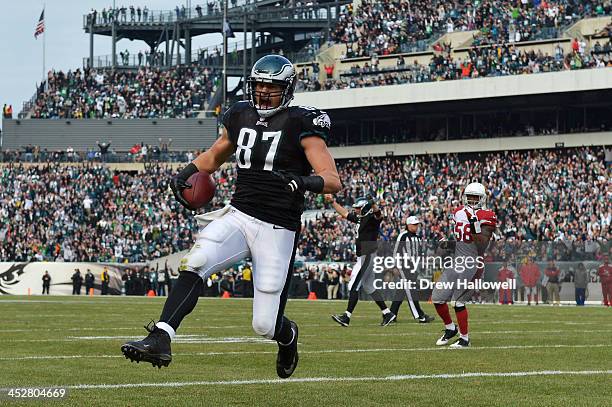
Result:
[[10, 277], [322, 120]]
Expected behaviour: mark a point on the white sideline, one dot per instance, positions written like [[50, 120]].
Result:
[[345, 379], [365, 350]]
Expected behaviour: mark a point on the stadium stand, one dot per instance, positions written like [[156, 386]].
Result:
[[90, 213], [391, 26], [147, 93], [182, 92], [506, 39], [480, 61]]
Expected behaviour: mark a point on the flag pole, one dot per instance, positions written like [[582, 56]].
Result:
[[44, 34], [223, 102]]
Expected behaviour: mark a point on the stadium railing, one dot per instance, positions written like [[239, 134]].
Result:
[[315, 11], [9, 156]]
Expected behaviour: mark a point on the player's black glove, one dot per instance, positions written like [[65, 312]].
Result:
[[299, 183], [179, 182]]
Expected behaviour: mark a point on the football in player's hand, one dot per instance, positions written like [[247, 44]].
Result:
[[202, 190]]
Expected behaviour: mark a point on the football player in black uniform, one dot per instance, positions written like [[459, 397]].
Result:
[[369, 216], [277, 146]]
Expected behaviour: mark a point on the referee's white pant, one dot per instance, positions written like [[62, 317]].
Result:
[[413, 303], [231, 237]]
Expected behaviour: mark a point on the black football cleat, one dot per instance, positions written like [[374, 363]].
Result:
[[155, 348], [342, 319], [287, 358], [425, 319], [448, 335], [388, 318]]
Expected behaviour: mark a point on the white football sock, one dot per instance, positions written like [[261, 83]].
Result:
[[386, 311], [348, 314], [167, 328], [450, 326]]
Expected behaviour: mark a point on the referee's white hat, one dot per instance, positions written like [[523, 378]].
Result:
[[413, 220]]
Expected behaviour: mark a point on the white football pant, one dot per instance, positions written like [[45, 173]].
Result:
[[236, 235]]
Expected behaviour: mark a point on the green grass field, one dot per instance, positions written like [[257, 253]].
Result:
[[561, 356]]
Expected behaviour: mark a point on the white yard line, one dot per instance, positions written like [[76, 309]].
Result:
[[364, 350], [204, 327], [137, 327], [324, 379], [206, 339]]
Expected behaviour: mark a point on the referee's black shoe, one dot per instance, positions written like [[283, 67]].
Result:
[[342, 319], [287, 357], [388, 318], [425, 319], [155, 348]]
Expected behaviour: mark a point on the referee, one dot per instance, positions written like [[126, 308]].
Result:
[[409, 243], [369, 216]]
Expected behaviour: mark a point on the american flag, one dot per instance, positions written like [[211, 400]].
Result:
[[40, 26]]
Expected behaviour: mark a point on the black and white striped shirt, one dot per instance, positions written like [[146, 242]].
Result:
[[409, 243]]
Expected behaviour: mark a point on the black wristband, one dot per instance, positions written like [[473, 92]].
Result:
[[188, 171], [314, 183]]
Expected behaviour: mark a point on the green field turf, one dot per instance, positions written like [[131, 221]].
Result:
[[566, 352]]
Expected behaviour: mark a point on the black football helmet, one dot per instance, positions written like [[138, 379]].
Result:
[[274, 69]]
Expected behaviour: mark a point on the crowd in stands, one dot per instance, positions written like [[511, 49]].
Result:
[[147, 93], [537, 195], [394, 26], [480, 61], [86, 212], [102, 152]]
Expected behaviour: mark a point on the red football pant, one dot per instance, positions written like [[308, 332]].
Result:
[[444, 313], [462, 320]]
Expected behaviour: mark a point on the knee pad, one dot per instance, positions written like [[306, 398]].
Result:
[[269, 282], [194, 260], [264, 326]]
